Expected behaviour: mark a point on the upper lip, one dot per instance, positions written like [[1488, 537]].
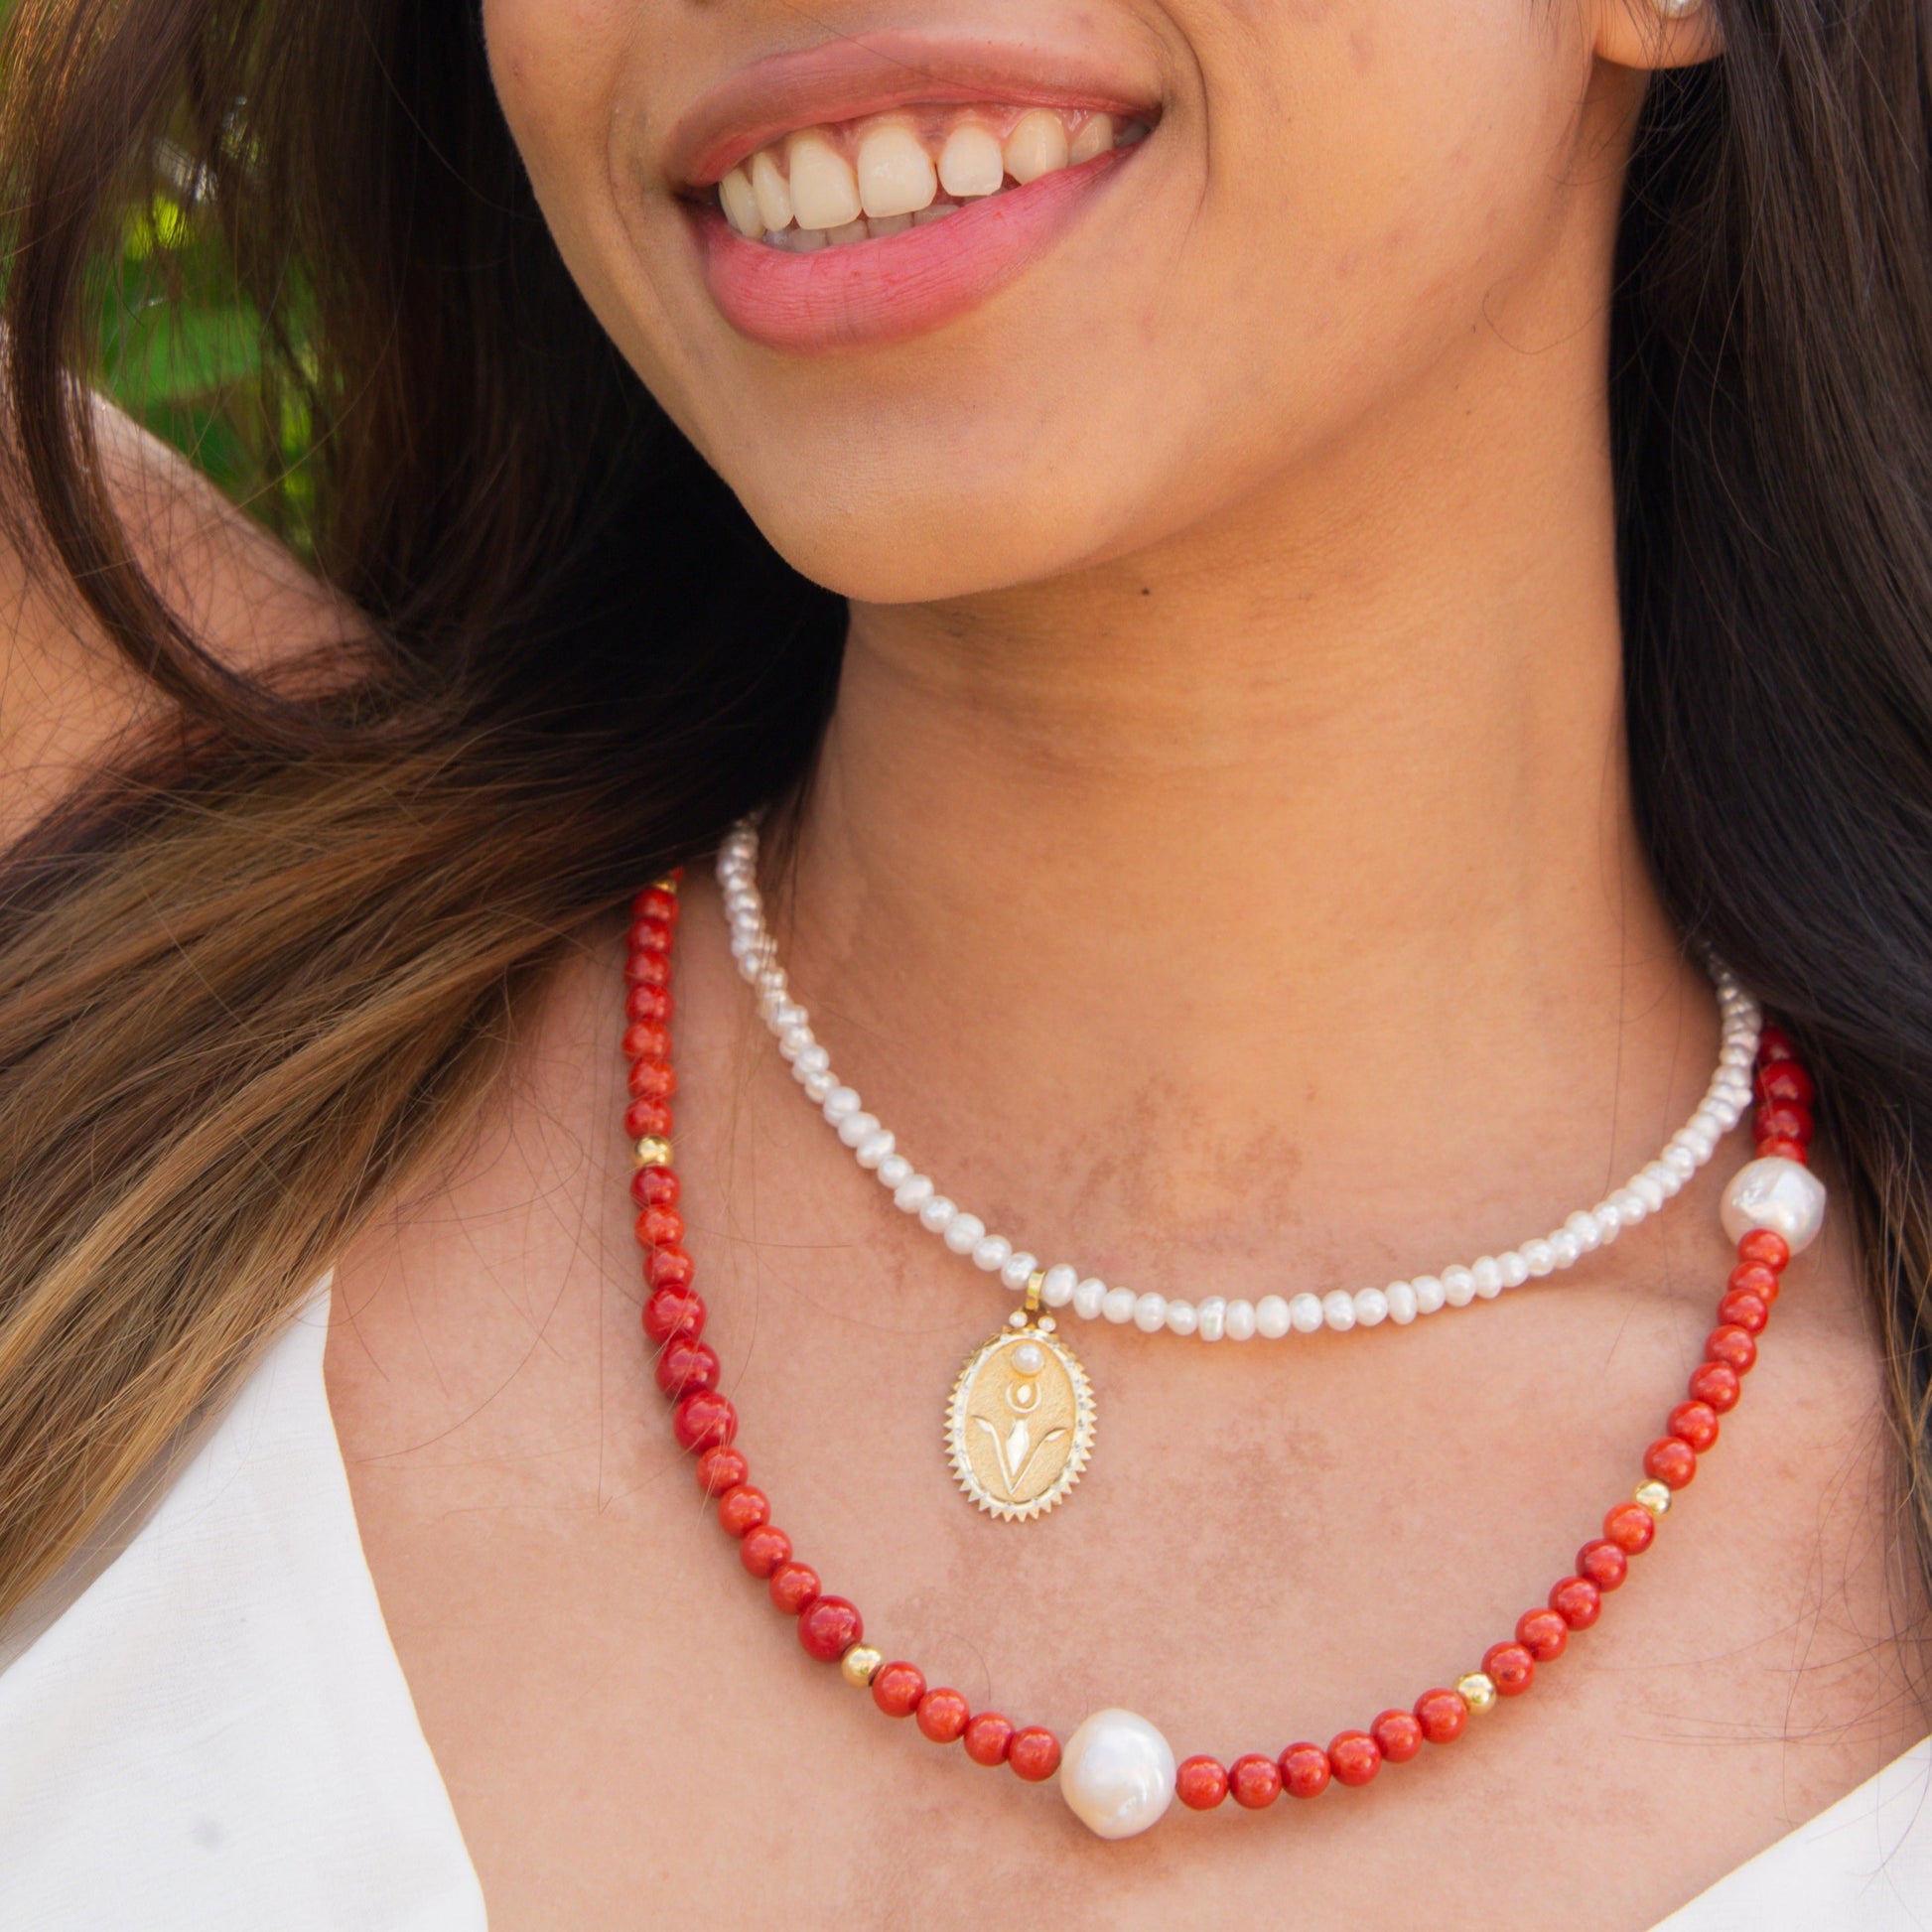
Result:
[[867, 74]]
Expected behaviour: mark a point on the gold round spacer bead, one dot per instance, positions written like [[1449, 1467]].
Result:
[[860, 1665], [654, 1151], [1654, 1496], [666, 882], [1477, 1691]]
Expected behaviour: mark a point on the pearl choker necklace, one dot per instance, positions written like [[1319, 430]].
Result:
[[1212, 1318], [1117, 1771]]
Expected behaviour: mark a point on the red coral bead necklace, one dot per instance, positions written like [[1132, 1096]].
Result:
[[1116, 1771]]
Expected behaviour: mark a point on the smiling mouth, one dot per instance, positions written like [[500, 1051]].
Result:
[[834, 184]]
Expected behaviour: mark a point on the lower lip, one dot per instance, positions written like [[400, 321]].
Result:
[[864, 294]]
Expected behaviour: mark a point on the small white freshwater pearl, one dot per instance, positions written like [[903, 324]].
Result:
[[937, 1214], [818, 1085], [1210, 1319], [1371, 1307], [912, 1193], [1564, 1249], [1088, 1295], [1513, 1269], [855, 1130], [840, 1102], [1183, 1318], [1271, 1318], [992, 1254], [1116, 1305], [811, 1059], [872, 1152], [1117, 1774], [894, 1171], [1401, 1297], [1241, 1320], [1304, 1314], [1056, 1290], [1019, 1270], [1587, 1235], [1782, 1195], [964, 1233], [1462, 1291], [1151, 1312], [1431, 1293], [1538, 1258], [1609, 1217], [1338, 1309]]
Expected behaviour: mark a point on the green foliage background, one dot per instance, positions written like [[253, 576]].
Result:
[[182, 352]]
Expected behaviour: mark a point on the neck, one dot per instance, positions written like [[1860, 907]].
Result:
[[1295, 852]]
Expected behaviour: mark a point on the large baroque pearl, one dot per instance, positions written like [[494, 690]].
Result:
[[1117, 1774], [1782, 1195]]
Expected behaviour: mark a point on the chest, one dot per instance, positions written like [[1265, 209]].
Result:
[[1269, 1545]]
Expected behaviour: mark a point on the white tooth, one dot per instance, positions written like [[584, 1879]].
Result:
[[801, 242], [1037, 146], [970, 162], [847, 231], [741, 205], [937, 211], [1096, 136], [768, 185], [824, 192], [884, 225], [894, 172]]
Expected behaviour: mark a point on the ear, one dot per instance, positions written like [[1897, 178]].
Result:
[[1651, 34]]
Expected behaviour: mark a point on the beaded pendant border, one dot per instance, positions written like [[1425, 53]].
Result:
[[1019, 1425]]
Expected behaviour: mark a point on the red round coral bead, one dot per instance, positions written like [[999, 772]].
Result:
[[763, 1549], [658, 1227], [703, 1420], [793, 1586], [1742, 1310], [942, 1716], [1774, 1043], [654, 1188], [1035, 1754], [672, 1311], [1767, 1248], [645, 1039], [648, 1002], [667, 1268], [648, 933], [986, 1738], [651, 1080], [1784, 1121], [1306, 1770], [1602, 1563], [647, 967], [720, 1469], [828, 1626], [1201, 1783], [1543, 1633], [743, 1509], [1779, 1150], [1672, 1461], [1631, 1526], [1695, 1423], [1716, 1385], [1578, 1600], [686, 1364], [1442, 1715], [655, 902], [1785, 1081], [1397, 1734], [1732, 1346], [1355, 1756], [647, 1117], [1755, 1277], [1510, 1667], [1254, 1781], [898, 1688]]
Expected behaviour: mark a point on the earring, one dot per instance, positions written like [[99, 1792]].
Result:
[[1675, 9]]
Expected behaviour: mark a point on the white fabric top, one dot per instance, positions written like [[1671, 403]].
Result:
[[212, 1734]]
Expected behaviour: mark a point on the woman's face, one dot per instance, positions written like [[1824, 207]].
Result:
[[1337, 205]]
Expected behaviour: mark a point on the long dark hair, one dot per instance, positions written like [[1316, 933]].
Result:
[[249, 982]]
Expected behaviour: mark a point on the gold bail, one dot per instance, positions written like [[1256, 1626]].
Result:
[[1034, 1282]]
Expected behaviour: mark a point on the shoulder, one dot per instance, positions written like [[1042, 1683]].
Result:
[[69, 700]]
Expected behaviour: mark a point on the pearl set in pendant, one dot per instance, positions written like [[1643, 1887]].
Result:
[[1216, 1318]]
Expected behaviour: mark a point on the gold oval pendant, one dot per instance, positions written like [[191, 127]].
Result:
[[1020, 1425]]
